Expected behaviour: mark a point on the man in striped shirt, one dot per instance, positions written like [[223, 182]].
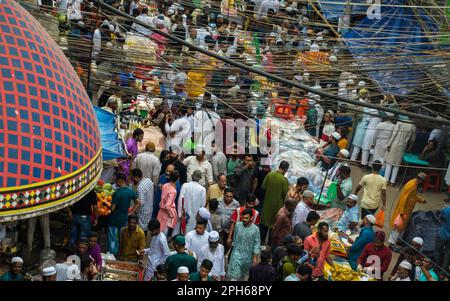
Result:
[[144, 189]]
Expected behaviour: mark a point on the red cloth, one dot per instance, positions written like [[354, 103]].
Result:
[[238, 213], [384, 254]]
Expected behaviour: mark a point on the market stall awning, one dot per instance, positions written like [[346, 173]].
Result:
[[112, 145], [388, 48]]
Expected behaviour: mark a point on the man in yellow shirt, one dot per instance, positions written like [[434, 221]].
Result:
[[216, 191], [132, 238], [374, 191]]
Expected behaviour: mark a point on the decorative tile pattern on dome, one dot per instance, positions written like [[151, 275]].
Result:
[[48, 127], [40, 194]]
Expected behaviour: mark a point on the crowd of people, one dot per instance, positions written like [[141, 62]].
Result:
[[227, 216]]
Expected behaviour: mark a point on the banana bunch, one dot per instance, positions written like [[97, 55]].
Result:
[[342, 273]]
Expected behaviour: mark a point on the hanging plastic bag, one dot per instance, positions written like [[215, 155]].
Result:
[[380, 219], [398, 222]]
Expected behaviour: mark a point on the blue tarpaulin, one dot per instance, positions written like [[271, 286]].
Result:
[[391, 48], [112, 145]]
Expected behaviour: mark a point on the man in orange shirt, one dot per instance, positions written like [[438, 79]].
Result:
[[251, 203], [320, 242]]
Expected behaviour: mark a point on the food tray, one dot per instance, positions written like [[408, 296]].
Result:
[[115, 270]]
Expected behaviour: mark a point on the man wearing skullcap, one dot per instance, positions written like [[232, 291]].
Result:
[[377, 248], [15, 272], [328, 155], [182, 274], [49, 274], [412, 253], [403, 272], [350, 217], [215, 252], [181, 258], [203, 212], [405, 206], [148, 163], [342, 160], [366, 236]]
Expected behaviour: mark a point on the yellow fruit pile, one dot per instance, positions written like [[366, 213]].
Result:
[[104, 204], [342, 273]]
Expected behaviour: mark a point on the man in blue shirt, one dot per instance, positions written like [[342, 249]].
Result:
[[15, 273], [442, 247], [350, 217], [367, 235], [120, 204], [329, 155]]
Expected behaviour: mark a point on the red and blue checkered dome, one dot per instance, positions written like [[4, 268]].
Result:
[[48, 127]]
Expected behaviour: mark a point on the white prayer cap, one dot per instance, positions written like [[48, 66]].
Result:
[[183, 270], [342, 85], [204, 213], [418, 240], [171, 11], [345, 153], [353, 197], [306, 74], [362, 83], [214, 236], [298, 78], [273, 34], [333, 58], [49, 271], [336, 136], [319, 33], [314, 47], [232, 78], [319, 38], [305, 19], [350, 82], [16, 260], [389, 114], [289, 9], [406, 265], [111, 27], [371, 219]]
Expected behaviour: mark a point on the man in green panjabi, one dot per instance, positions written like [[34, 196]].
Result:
[[182, 258], [246, 247], [276, 187]]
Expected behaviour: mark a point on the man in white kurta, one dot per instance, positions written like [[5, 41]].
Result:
[[197, 238], [368, 137], [404, 134], [199, 162], [158, 251], [383, 133], [178, 132], [148, 163], [194, 196], [216, 253]]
